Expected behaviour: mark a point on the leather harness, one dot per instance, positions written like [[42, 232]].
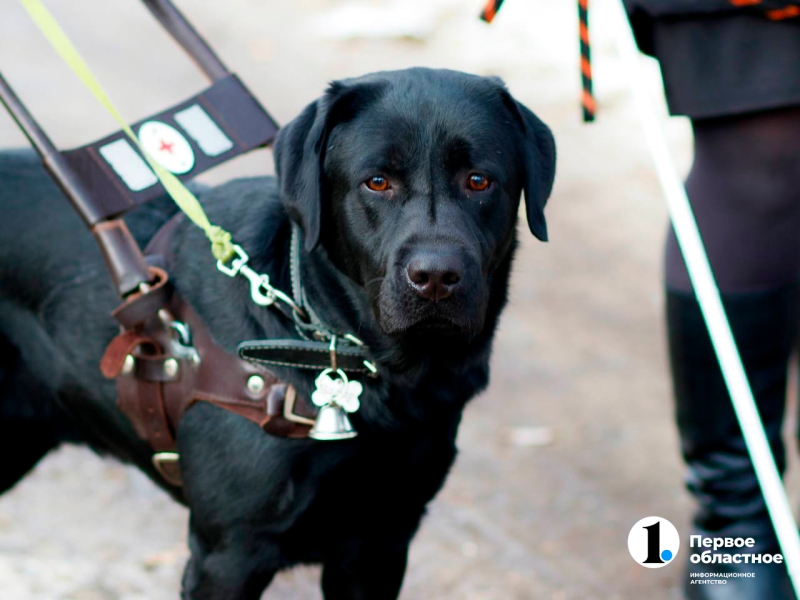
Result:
[[164, 361]]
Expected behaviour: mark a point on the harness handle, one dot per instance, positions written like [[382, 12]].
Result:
[[187, 37], [52, 159], [221, 245]]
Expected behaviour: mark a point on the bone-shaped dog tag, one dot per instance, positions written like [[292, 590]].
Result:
[[339, 391]]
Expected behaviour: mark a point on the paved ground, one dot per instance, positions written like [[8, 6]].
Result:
[[573, 442]]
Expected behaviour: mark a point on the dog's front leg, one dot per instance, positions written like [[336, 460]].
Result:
[[366, 571], [233, 569]]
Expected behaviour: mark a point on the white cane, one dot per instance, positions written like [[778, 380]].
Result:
[[707, 293]]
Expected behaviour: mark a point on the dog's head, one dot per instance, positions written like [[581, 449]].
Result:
[[411, 182]]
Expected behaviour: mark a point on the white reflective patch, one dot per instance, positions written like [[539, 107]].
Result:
[[130, 167], [168, 146], [202, 129]]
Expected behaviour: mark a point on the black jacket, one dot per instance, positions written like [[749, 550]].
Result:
[[643, 13]]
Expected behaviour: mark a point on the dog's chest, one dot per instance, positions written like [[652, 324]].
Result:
[[379, 488]]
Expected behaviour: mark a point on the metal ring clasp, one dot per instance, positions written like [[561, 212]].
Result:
[[237, 262], [261, 292], [338, 372]]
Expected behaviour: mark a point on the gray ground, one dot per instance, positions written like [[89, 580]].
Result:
[[572, 444]]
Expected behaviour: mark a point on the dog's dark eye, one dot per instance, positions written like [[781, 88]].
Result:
[[478, 182], [377, 183]]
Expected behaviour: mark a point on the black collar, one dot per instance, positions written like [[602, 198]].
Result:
[[319, 347]]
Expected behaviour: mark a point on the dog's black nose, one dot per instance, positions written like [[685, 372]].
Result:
[[434, 276]]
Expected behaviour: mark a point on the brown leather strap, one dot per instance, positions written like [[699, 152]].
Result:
[[143, 404], [162, 367], [161, 380], [160, 386], [123, 256], [144, 303], [269, 417], [120, 348], [222, 379], [141, 400]]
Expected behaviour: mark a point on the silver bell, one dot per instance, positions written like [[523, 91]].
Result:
[[332, 424]]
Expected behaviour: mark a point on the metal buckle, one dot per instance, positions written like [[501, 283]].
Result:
[[181, 339], [167, 465], [288, 408]]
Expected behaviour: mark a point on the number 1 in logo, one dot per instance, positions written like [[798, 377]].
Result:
[[652, 545]]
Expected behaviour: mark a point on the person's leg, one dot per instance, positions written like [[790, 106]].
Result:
[[744, 188], [745, 191]]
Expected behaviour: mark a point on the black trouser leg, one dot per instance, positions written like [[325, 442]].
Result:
[[720, 473], [743, 187]]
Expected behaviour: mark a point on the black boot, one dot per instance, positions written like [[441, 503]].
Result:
[[720, 473]]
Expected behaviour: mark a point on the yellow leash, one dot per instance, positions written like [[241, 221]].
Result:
[[221, 245]]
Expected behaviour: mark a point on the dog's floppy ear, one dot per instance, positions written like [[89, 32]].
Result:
[[300, 153], [539, 155], [299, 169]]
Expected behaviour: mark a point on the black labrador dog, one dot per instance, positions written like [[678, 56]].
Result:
[[406, 186]]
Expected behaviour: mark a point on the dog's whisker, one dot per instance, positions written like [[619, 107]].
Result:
[[372, 281]]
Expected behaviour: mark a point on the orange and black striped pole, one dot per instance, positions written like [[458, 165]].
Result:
[[587, 95], [490, 10]]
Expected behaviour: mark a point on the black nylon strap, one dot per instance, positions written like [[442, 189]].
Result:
[[303, 354]]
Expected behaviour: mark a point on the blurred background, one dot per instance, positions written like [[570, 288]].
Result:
[[574, 440]]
